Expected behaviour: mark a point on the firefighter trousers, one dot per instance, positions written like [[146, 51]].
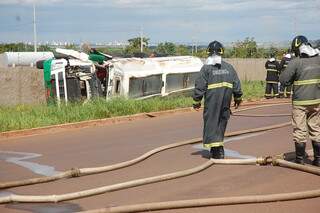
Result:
[[285, 90], [215, 125], [272, 87], [306, 121]]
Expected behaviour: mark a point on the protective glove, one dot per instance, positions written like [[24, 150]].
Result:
[[197, 106], [237, 103]]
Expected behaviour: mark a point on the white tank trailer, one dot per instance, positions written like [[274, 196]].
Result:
[[13, 59]]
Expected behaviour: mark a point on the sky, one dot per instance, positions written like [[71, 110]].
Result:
[[160, 20]]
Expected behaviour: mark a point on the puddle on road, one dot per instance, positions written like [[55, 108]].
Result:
[[20, 159], [229, 152], [5, 193]]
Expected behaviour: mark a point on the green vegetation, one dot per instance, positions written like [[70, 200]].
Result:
[[134, 46], [253, 90], [167, 48], [25, 117], [22, 47], [247, 48]]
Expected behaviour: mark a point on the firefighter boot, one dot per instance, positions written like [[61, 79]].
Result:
[[316, 153], [220, 152], [300, 152], [217, 152]]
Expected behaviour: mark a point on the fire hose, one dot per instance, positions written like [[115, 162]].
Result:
[[275, 161], [100, 190], [225, 200], [77, 172]]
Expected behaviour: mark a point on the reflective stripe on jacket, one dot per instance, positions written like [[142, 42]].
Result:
[[304, 75], [216, 84], [272, 68]]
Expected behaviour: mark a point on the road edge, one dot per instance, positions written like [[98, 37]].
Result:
[[110, 121]]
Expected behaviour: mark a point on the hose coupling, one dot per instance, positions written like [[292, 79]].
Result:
[[75, 172], [264, 161]]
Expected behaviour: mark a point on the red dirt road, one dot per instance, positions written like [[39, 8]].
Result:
[[105, 145]]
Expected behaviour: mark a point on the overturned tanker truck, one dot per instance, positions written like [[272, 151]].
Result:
[[73, 76]]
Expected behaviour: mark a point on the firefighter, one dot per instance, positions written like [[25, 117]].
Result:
[[303, 72], [272, 80], [217, 83], [285, 91]]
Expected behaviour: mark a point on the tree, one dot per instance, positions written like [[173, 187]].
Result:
[[201, 53], [45, 48], [182, 50], [167, 48], [134, 45], [245, 49]]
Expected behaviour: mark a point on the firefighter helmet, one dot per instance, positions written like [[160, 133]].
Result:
[[215, 47], [297, 42]]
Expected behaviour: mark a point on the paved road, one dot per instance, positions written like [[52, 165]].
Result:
[[105, 145]]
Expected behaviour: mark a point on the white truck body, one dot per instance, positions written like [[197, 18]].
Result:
[[129, 77], [162, 75]]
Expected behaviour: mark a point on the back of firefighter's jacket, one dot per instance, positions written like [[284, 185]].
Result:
[[272, 68], [304, 74]]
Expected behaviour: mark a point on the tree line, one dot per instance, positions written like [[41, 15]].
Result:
[[247, 48]]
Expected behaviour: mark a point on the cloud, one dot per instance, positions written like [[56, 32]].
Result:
[[209, 5], [164, 19], [27, 2]]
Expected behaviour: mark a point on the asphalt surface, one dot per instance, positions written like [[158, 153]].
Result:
[[34, 156]]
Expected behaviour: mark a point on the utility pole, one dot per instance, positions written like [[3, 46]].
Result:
[[34, 27], [196, 46], [141, 39], [193, 49]]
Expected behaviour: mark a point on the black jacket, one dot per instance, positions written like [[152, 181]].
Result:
[[217, 84], [273, 68], [304, 74]]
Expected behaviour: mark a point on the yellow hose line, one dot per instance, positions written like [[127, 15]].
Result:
[[305, 168], [261, 115], [139, 182], [224, 200], [261, 106], [75, 172], [124, 185], [210, 202]]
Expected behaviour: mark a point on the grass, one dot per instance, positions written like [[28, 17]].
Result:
[[253, 90], [27, 116]]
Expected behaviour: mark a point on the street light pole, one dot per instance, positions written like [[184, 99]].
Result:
[[34, 27]]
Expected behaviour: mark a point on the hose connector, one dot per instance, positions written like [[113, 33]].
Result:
[[262, 161], [75, 172]]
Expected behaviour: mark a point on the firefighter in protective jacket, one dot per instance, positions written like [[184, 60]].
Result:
[[272, 79], [283, 65], [303, 73], [217, 83]]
